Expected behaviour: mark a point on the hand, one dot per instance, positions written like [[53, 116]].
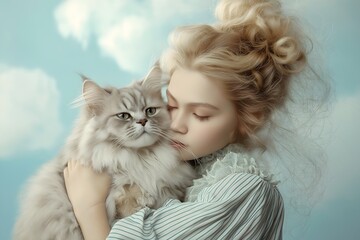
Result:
[[87, 191], [85, 187]]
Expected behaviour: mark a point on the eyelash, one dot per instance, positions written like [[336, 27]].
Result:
[[169, 108], [201, 118]]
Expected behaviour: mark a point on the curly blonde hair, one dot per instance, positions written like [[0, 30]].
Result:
[[257, 53], [253, 51]]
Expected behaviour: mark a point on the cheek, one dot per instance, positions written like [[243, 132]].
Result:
[[212, 137], [209, 135], [117, 127]]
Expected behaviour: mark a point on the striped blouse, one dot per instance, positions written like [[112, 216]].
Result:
[[234, 199]]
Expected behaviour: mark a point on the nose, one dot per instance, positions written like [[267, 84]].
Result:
[[178, 123], [142, 121]]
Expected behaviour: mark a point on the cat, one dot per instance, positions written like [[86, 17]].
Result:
[[124, 132]]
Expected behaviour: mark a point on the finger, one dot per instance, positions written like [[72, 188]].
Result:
[[66, 173], [71, 164]]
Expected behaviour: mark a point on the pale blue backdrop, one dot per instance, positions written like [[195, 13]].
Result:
[[45, 44]]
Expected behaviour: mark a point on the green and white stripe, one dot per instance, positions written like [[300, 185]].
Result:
[[239, 206]]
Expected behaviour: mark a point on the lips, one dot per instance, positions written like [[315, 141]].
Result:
[[177, 144]]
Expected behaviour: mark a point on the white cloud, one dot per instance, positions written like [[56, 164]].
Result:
[[133, 33], [29, 105], [127, 44]]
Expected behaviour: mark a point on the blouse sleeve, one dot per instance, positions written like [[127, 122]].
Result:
[[240, 206]]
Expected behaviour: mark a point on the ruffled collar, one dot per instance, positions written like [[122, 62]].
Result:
[[231, 159]]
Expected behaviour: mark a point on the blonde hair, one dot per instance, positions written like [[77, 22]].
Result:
[[253, 51], [256, 52]]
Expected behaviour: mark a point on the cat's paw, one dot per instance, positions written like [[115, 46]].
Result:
[[127, 203], [146, 200]]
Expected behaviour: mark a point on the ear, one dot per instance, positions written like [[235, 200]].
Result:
[[83, 77], [154, 79], [94, 96], [245, 129]]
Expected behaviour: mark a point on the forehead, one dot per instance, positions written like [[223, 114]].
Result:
[[125, 98], [133, 98], [191, 86]]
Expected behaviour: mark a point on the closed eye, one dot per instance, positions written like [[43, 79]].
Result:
[[201, 118], [169, 107]]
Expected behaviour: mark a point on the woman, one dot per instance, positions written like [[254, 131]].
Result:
[[225, 82]]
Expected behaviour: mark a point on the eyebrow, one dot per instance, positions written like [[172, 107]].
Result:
[[194, 104]]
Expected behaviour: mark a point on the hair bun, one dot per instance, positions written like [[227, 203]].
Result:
[[264, 27], [228, 10]]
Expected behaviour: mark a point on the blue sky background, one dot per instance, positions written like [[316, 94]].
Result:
[[45, 44]]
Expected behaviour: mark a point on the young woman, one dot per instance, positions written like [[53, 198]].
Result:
[[225, 82]]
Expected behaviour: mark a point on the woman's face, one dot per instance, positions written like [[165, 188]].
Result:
[[203, 119]]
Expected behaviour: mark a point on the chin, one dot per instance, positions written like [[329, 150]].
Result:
[[144, 140], [187, 154]]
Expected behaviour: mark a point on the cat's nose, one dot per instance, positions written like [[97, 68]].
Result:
[[142, 121]]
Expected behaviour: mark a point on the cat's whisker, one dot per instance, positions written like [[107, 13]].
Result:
[[125, 137], [195, 157], [89, 98], [163, 134], [119, 142], [167, 136], [160, 132]]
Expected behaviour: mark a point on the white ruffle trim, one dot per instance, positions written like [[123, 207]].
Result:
[[226, 161]]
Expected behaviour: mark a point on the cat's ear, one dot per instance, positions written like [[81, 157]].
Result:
[[94, 96], [83, 77], [154, 79]]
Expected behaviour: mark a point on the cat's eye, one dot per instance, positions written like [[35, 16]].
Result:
[[150, 111], [123, 116]]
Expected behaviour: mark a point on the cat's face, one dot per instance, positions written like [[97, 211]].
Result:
[[133, 117]]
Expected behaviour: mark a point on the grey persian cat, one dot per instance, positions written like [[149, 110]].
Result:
[[124, 132]]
